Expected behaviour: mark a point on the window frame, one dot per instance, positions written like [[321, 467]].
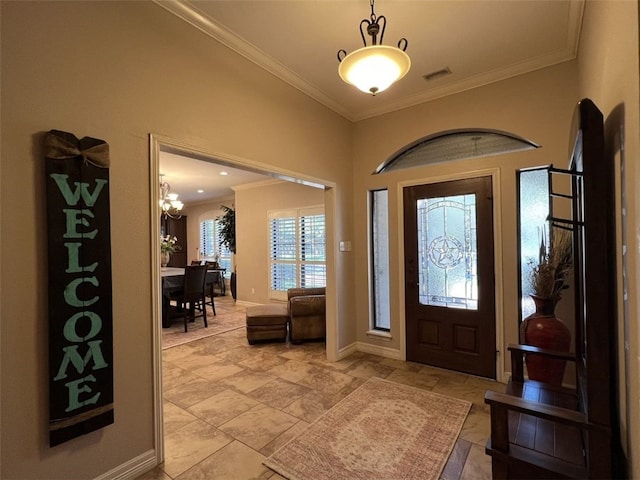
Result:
[[374, 263], [519, 173], [298, 262], [226, 257]]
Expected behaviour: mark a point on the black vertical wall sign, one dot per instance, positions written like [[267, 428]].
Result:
[[80, 306]]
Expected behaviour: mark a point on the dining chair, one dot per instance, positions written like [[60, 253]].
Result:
[[213, 278], [192, 293]]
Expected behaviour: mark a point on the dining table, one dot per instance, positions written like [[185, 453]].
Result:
[[172, 279]]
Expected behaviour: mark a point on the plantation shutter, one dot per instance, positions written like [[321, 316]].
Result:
[[311, 237], [296, 250]]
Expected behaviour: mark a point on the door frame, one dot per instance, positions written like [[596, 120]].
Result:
[[494, 173], [158, 142]]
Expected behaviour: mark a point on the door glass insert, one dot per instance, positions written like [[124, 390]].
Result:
[[447, 251]]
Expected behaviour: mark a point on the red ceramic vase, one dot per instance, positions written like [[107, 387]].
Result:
[[543, 329]]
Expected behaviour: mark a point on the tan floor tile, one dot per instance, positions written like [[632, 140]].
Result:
[[222, 407], [192, 392], [314, 404], [305, 352], [325, 380], [175, 417], [247, 380], [279, 393], [191, 444], [478, 465], [279, 441], [259, 426], [196, 361], [229, 357], [156, 474], [477, 426], [463, 391], [276, 476], [234, 462], [261, 361], [401, 364], [368, 369], [486, 384], [175, 354], [339, 365], [217, 372], [292, 370], [172, 376], [413, 378]]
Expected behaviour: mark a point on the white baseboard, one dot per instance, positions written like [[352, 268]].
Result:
[[132, 468], [385, 352], [346, 351]]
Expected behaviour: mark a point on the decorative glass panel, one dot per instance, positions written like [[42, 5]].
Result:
[[380, 259], [447, 251], [533, 212]]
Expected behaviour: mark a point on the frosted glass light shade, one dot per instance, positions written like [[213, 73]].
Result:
[[373, 69]]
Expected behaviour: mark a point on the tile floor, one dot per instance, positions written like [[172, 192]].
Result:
[[228, 405]]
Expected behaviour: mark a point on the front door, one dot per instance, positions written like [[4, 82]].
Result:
[[449, 275]]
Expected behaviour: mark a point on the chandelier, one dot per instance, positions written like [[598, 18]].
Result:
[[169, 203], [374, 68]]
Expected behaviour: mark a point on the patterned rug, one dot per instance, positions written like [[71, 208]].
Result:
[[229, 317], [381, 431]]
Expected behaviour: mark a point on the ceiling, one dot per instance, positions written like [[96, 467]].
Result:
[[187, 175], [479, 41]]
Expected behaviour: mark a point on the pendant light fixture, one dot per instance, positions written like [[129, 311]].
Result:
[[169, 203], [374, 68]]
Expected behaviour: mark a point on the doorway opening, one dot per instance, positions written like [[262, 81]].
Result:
[[162, 145]]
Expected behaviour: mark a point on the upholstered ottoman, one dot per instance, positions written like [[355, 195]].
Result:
[[267, 322]]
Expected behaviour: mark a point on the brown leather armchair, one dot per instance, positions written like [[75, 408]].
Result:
[[307, 309]]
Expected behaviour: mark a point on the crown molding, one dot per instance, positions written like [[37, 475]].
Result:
[[186, 11], [190, 14]]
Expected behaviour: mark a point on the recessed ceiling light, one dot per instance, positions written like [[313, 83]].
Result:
[[200, 191], [224, 173]]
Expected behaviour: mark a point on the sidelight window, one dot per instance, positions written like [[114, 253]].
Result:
[[379, 258], [533, 209]]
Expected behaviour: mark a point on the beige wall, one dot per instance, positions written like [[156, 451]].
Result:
[[122, 70], [119, 71], [537, 106], [252, 208], [608, 74]]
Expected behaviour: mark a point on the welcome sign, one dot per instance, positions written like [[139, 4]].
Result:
[[80, 303]]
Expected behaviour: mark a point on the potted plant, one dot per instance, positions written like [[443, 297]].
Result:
[[228, 234], [549, 276], [167, 247]]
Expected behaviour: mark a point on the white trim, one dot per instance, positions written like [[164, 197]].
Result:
[[385, 352], [346, 351], [132, 468], [494, 173], [258, 184], [380, 334], [156, 299]]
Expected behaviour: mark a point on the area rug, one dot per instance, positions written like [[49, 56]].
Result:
[[227, 319], [381, 431]]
